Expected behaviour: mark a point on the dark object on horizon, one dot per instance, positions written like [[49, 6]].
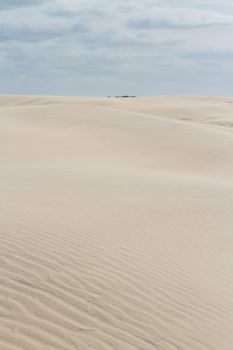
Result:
[[124, 96]]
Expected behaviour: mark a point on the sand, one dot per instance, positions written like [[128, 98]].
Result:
[[116, 225]]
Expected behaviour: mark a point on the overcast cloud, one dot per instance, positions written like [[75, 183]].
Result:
[[106, 47]]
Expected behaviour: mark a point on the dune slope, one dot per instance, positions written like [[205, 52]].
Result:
[[116, 226]]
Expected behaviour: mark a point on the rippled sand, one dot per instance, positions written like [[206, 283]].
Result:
[[116, 223]]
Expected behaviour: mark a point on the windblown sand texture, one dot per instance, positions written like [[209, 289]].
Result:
[[116, 225]]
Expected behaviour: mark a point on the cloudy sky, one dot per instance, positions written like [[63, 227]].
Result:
[[111, 47]]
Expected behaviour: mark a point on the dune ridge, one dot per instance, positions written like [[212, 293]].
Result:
[[116, 223]]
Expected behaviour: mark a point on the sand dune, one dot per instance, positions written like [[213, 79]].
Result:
[[116, 223]]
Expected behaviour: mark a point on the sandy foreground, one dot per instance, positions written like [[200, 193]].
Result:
[[116, 223]]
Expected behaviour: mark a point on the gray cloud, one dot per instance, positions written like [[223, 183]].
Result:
[[24, 35], [6, 5], [182, 18]]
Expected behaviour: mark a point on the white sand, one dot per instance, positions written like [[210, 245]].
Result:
[[116, 225]]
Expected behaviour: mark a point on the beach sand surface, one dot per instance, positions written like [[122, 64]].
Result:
[[116, 223]]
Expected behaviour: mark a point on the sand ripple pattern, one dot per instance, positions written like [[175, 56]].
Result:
[[116, 223]]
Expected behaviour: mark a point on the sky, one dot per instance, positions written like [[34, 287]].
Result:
[[116, 47]]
